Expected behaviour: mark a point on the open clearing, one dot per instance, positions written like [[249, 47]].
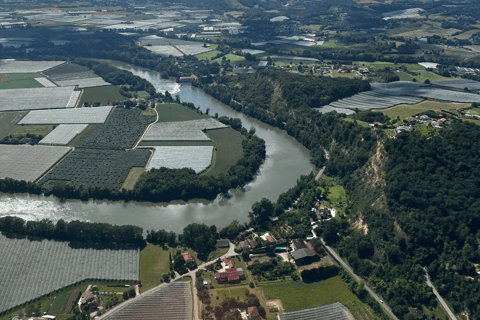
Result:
[[104, 95], [22, 280], [28, 163], [404, 111], [297, 296], [8, 122], [170, 112], [153, 264]]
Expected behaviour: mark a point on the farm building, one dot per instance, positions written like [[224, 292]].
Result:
[[303, 252], [187, 257], [253, 313], [222, 243]]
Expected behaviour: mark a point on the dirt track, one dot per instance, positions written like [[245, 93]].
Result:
[[3, 78]]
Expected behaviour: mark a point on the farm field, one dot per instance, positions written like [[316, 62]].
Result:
[[28, 162], [63, 134], [21, 80], [421, 77], [297, 296], [383, 65], [228, 144], [68, 116], [170, 112], [15, 66], [153, 264], [191, 130], [8, 122], [84, 83], [173, 301], [105, 95], [98, 167], [331, 311], [45, 82], [336, 74], [22, 281], [42, 130], [197, 158], [80, 139], [122, 130], [38, 98], [459, 84], [404, 111], [66, 68]]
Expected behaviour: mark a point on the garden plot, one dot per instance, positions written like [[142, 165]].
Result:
[[171, 301], [63, 134], [198, 158], [45, 82], [38, 98], [98, 167], [122, 130], [28, 163], [15, 66], [83, 83], [68, 116], [182, 130], [32, 268], [459, 84]]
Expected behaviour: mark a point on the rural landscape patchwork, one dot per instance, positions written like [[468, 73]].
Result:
[[240, 159]]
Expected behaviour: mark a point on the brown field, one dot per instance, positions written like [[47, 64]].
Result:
[[3, 78], [474, 48], [71, 300]]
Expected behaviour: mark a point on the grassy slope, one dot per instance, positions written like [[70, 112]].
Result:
[[132, 178], [228, 143], [153, 264], [105, 95], [232, 57]]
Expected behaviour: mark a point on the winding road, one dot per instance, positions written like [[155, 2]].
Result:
[[374, 295], [439, 297]]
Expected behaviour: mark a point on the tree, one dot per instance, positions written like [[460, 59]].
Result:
[[261, 212]]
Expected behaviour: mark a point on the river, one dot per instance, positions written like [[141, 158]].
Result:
[[286, 161]]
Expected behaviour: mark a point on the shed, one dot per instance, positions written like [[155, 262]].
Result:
[[222, 243], [241, 273]]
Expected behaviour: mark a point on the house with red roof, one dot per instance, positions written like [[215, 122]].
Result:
[[253, 313], [187, 257], [229, 263]]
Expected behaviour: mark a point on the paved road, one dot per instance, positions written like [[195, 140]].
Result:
[[337, 257], [439, 297], [231, 252], [319, 175]]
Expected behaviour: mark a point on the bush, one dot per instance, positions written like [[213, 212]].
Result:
[[252, 285]]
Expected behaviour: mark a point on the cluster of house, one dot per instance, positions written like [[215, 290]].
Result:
[[468, 114], [302, 252], [228, 273], [423, 119]]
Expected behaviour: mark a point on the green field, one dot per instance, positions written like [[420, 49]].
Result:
[[59, 304], [38, 130], [170, 112], [298, 296], [407, 110], [328, 44], [8, 122], [383, 65], [232, 57], [153, 264], [421, 77], [21, 80], [105, 95], [207, 55], [80, 139], [66, 68], [360, 122], [228, 144]]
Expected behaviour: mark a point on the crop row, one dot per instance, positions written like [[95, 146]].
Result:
[[121, 131], [98, 167], [173, 301], [30, 269]]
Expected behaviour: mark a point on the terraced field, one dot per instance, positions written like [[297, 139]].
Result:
[[30, 268], [173, 301]]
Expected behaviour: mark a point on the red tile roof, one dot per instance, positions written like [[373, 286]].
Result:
[[187, 257], [230, 262], [221, 275], [270, 238], [233, 275], [253, 311]]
